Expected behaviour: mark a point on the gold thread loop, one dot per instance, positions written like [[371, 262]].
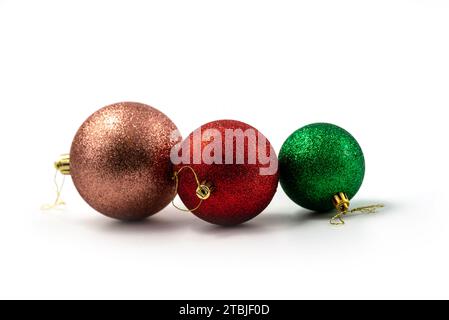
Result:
[[203, 190], [58, 201], [341, 203], [337, 220], [368, 209]]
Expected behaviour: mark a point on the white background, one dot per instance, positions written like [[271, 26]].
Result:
[[379, 68]]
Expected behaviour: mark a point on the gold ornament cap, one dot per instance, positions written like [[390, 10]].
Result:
[[204, 190], [63, 164], [341, 202]]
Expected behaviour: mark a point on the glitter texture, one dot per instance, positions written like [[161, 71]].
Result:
[[318, 161], [120, 161], [239, 191]]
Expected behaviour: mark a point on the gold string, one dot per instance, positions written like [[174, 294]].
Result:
[[58, 201], [338, 218], [176, 178]]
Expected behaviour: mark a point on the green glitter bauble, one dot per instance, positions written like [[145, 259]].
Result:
[[318, 161]]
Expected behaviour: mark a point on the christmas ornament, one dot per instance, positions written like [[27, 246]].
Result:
[[120, 161], [226, 172], [322, 167]]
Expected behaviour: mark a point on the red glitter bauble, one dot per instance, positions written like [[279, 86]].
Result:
[[240, 190], [120, 161]]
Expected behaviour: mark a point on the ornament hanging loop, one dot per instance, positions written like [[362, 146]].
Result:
[[337, 220], [62, 166], [203, 190], [341, 203]]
